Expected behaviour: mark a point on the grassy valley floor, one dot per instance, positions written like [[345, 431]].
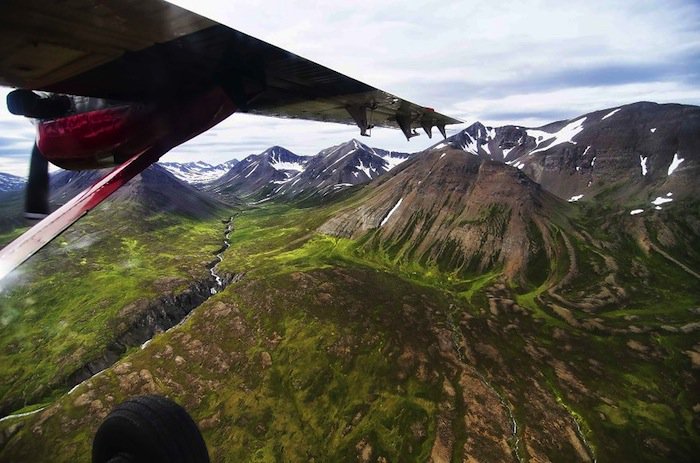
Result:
[[328, 350]]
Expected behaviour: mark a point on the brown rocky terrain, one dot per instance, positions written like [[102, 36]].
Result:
[[455, 211]]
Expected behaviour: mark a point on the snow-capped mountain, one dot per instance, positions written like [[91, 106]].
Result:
[[333, 169], [258, 173], [199, 172], [639, 151], [279, 172], [9, 182]]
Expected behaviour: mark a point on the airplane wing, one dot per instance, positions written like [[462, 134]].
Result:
[[146, 50], [150, 51]]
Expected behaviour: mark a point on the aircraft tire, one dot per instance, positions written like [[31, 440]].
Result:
[[149, 428]]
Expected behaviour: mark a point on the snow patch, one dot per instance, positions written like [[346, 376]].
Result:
[[193, 172], [393, 209], [367, 169], [471, 145], [392, 161], [344, 156], [442, 155], [610, 114], [251, 172], [658, 208], [652, 130], [20, 415], [564, 135], [643, 163], [285, 165], [661, 200], [586, 150], [636, 211], [675, 163], [575, 198]]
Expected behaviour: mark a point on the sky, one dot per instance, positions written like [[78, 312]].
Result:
[[526, 62]]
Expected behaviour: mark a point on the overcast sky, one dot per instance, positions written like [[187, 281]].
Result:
[[521, 62]]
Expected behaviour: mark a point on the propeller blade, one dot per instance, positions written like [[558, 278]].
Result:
[[36, 204]]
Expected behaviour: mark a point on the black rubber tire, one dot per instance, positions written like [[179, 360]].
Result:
[[149, 429]]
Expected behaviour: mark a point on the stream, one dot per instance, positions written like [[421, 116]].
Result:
[[514, 439], [220, 257], [159, 316]]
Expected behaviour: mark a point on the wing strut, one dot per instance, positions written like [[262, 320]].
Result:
[[45, 231]]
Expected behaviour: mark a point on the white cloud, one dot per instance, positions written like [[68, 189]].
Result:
[[572, 101], [14, 166]]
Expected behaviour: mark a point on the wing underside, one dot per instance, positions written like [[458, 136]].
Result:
[[149, 50], [152, 51]]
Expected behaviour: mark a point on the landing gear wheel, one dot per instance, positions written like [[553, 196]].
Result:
[[149, 429]]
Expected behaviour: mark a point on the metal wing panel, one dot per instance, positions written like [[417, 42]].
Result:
[[47, 41], [143, 50]]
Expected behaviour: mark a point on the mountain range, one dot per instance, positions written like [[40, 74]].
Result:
[[633, 149], [154, 191], [633, 153], [9, 182], [627, 152], [198, 172], [277, 172]]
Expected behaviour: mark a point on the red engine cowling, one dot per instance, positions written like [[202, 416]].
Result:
[[96, 139], [110, 135]]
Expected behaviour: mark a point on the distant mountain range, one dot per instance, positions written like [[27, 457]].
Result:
[[642, 151], [154, 191], [9, 182], [643, 155], [277, 172], [259, 173], [198, 172]]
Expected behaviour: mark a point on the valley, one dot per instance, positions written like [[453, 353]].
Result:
[[455, 307]]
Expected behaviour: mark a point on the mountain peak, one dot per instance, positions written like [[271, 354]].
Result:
[[198, 172], [478, 130], [280, 154]]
